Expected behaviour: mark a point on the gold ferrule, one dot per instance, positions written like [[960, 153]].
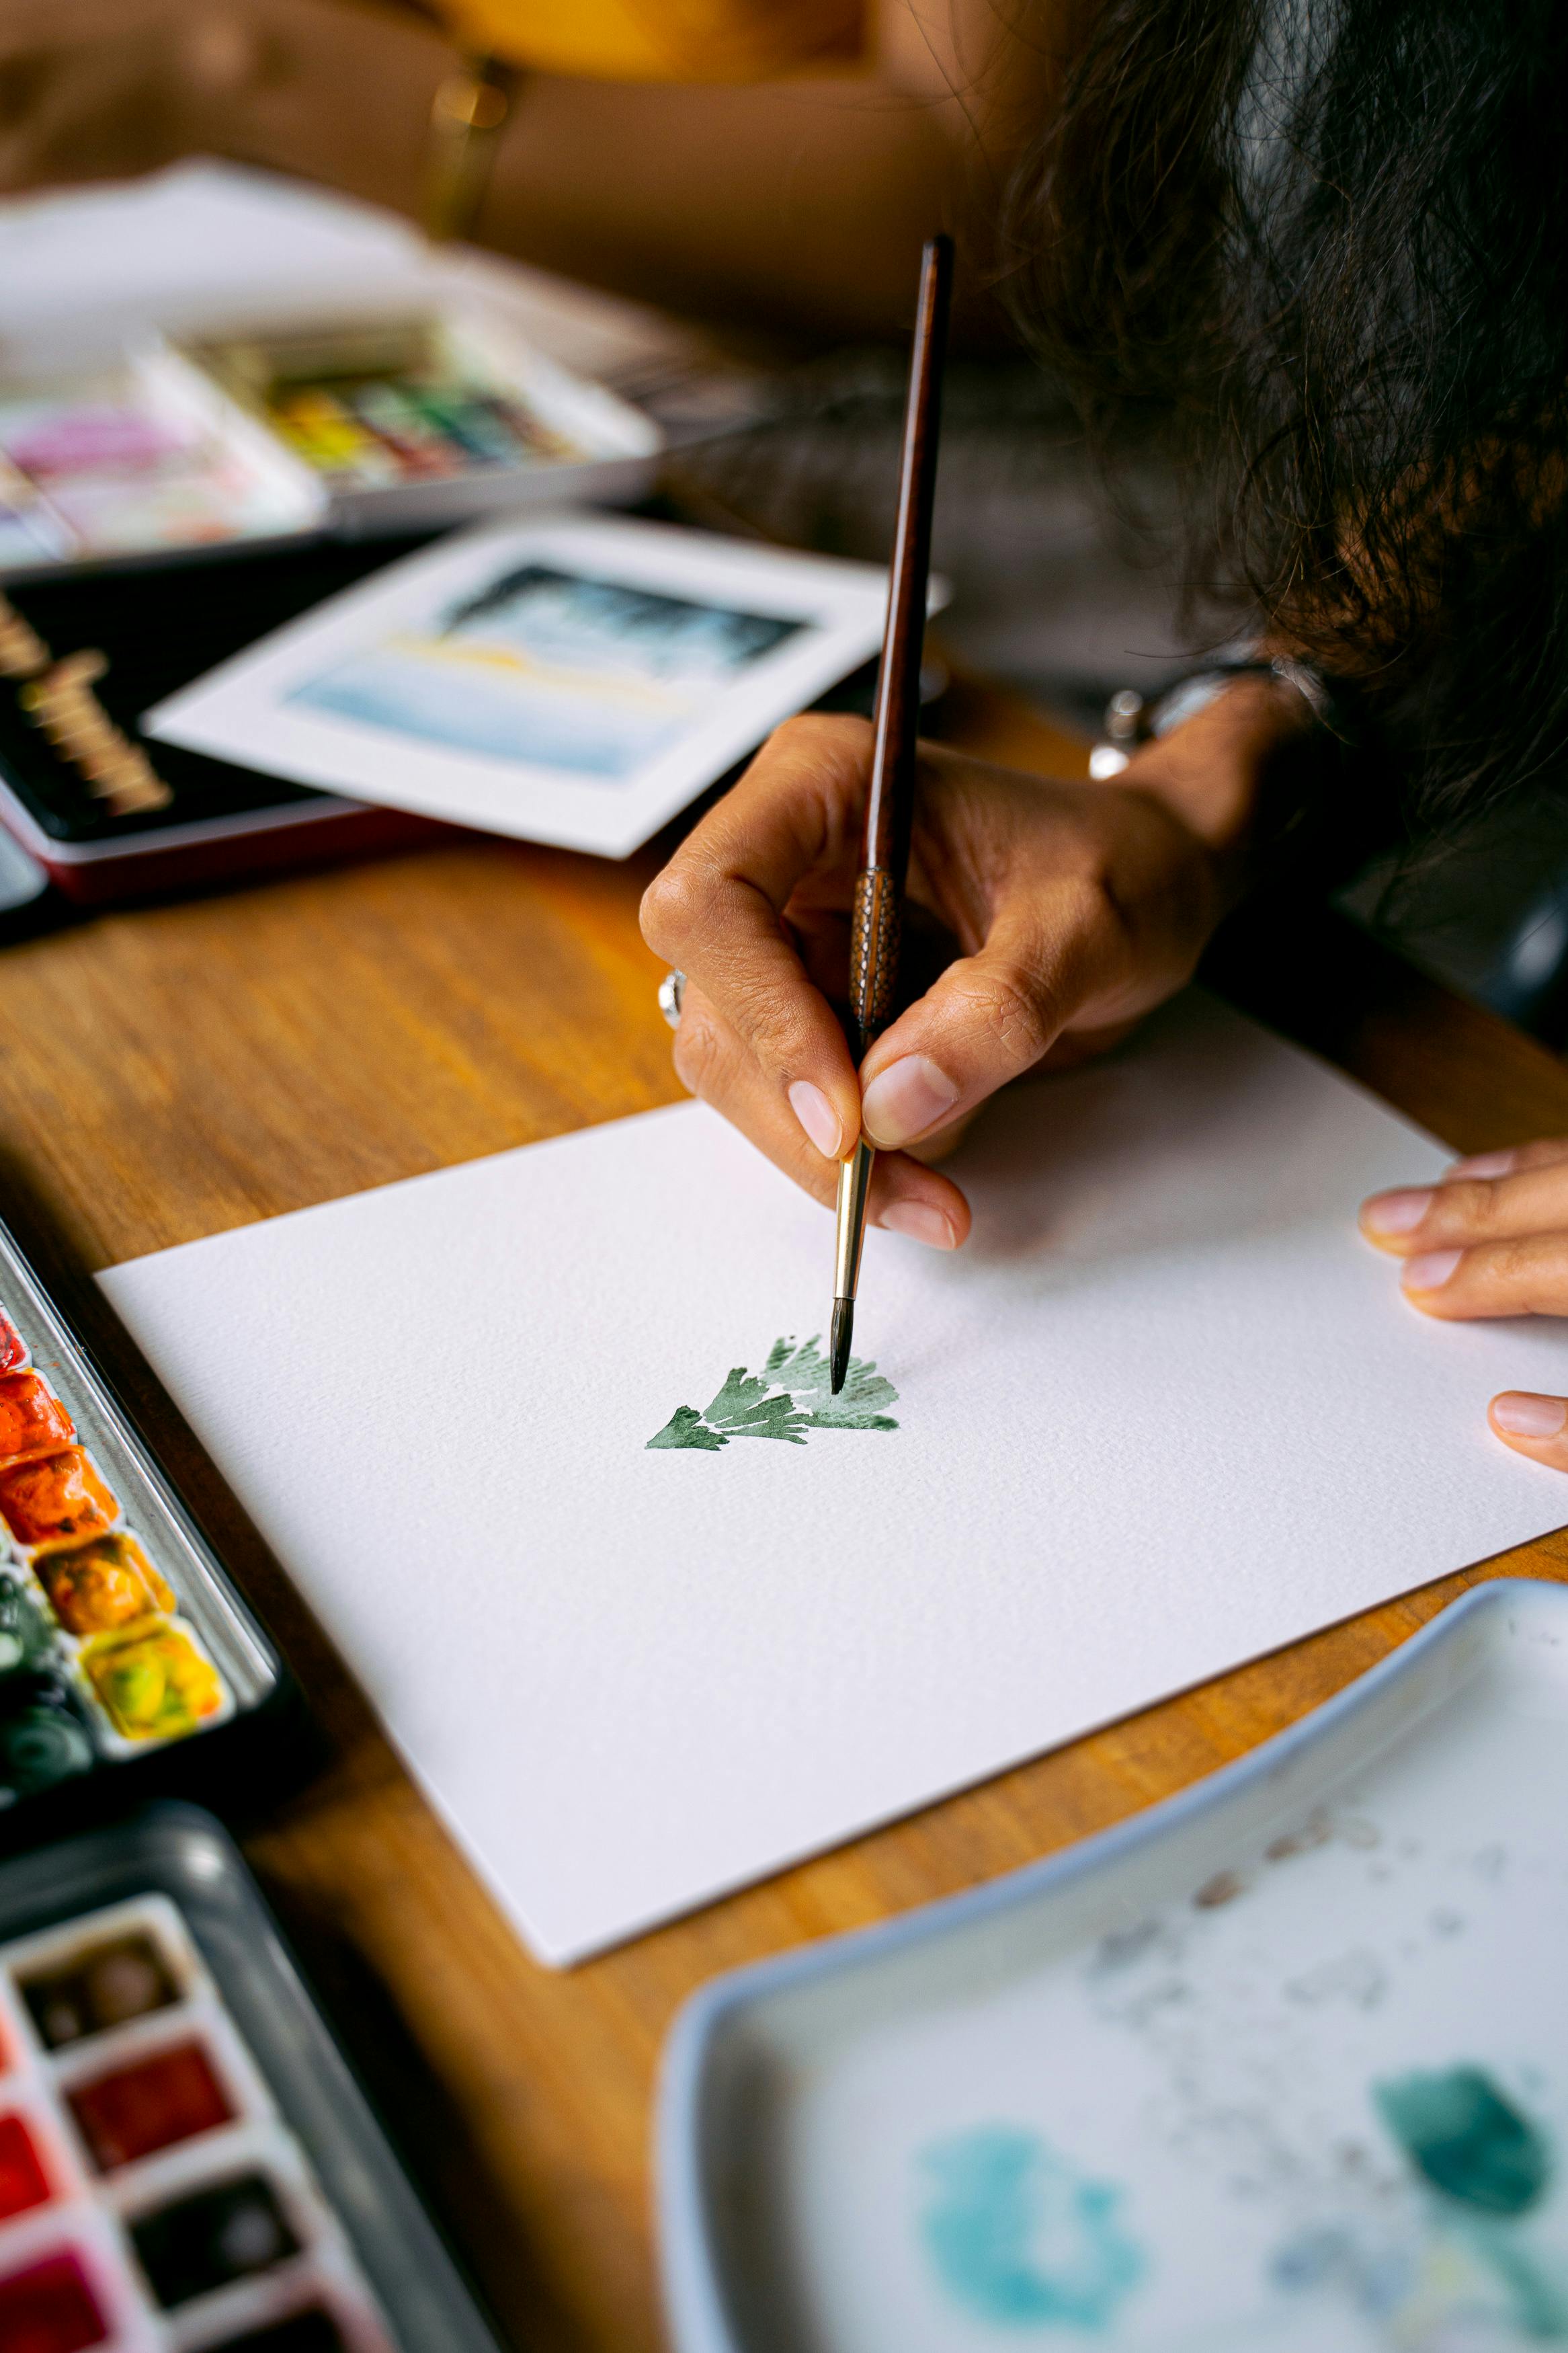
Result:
[[468, 102], [853, 1187]]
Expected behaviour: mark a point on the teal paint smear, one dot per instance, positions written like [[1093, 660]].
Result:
[[1020, 2238], [792, 1394], [1538, 2304], [1470, 2143]]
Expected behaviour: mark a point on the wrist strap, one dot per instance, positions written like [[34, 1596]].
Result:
[[1131, 719]]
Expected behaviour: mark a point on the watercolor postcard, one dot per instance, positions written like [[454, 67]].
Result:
[[576, 680], [545, 1441]]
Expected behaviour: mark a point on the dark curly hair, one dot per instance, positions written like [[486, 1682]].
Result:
[[1322, 249]]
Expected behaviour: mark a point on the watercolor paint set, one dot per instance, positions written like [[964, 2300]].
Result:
[[155, 452], [144, 454], [121, 1636], [187, 2164], [434, 418], [1281, 2063]]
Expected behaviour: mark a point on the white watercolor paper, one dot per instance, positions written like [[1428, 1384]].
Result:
[[570, 679], [1164, 1412]]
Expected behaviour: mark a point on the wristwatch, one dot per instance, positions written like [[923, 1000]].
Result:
[[1131, 719]]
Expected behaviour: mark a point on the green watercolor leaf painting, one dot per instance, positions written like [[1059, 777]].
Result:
[[792, 1394]]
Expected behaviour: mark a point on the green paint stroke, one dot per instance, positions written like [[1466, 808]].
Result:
[[1471, 2144], [792, 1394]]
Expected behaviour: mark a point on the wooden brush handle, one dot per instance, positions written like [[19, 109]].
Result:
[[889, 798], [890, 795]]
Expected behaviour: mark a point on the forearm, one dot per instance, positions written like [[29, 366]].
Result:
[[338, 91], [798, 201], [1237, 775], [801, 202]]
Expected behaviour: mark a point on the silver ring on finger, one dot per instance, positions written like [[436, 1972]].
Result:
[[672, 991]]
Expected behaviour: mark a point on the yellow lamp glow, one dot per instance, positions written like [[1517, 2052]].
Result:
[[662, 40]]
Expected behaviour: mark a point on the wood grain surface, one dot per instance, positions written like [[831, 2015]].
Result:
[[174, 1071]]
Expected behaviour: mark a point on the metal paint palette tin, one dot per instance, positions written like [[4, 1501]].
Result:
[[186, 2163], [122, 1639], [1278, 2066]]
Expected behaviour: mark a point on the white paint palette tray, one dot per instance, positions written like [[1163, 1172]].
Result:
[[1281, 2065]]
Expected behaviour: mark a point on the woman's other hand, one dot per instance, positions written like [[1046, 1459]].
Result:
[[1491, 1238], [90, 89], [1054, 916], [101, 89]]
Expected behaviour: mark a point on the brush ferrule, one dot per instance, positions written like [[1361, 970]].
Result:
[[853, 1187]]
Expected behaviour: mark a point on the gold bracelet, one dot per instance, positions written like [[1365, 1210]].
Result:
[[468, 115]]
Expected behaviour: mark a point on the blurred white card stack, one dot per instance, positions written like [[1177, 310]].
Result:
[[205, 245]]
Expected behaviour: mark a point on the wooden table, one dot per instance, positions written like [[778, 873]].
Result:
[[173, 1072]]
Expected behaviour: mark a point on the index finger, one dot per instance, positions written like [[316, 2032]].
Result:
[[716, 910], [1461, 1211]]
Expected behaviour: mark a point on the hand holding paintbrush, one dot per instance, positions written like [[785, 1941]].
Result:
[[1068, 907], [876, 924]]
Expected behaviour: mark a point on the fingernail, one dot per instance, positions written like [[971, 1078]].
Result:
[[818, 1118], [1484, 1164], [1431, 1271], [1396, 1213], [904, 1100], [1524, 1415], [920, 1222]]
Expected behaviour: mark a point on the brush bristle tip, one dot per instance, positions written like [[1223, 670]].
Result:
[[843, 1331]]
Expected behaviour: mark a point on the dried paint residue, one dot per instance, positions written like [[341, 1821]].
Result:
[[32, 1419], [152, 1680], [95, 1587], [59, 1499]]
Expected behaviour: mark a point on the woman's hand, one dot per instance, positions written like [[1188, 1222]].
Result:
[[1490, 1239], [1057, 913], [90, 88], [98, 88]]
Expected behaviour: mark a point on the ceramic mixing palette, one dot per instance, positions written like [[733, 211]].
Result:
[[119, 1631], [186, 2165], [1280, 2065]]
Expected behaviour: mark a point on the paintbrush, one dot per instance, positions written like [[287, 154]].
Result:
[[877, 924]]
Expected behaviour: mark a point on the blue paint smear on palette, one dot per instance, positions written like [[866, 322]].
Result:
[[1020, 2237]]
